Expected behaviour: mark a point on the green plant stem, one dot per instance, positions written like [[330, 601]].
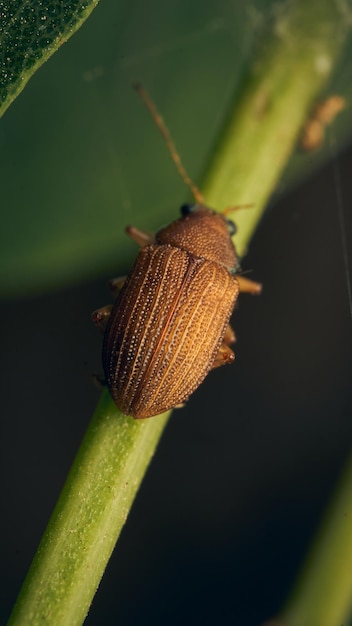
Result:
[[323, 595], [88, 518], [296, 59], [290, 69]]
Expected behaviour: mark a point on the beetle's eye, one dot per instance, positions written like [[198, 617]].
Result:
[[186, 209], [231, 227]]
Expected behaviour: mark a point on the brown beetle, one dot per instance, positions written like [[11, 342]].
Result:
[[170, 323]]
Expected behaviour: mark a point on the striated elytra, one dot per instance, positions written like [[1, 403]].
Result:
[[170, 325]]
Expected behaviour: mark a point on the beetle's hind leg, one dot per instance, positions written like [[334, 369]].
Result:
[[139, 236], [225, 355], [100, 316]]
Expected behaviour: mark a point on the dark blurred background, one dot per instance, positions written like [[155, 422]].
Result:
[[243, 474]]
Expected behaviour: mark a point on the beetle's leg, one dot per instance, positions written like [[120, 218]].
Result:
[[181, 405], [115, 284], [224, 356], [139, 236], [101, 316], [229, 336], [249, 286]]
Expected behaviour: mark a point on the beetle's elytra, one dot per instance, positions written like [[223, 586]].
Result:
[[170, 325]]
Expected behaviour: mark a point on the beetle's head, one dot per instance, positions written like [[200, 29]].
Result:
[[204, 233]]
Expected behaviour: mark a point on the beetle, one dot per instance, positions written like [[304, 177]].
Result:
[[170, 324]]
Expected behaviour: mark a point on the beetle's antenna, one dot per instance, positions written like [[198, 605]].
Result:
[[168, 140]]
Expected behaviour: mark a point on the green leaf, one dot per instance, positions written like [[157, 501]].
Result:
[[30, 32]]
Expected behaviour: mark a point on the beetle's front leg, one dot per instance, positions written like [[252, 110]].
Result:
[[100, 316], [139, 236]]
